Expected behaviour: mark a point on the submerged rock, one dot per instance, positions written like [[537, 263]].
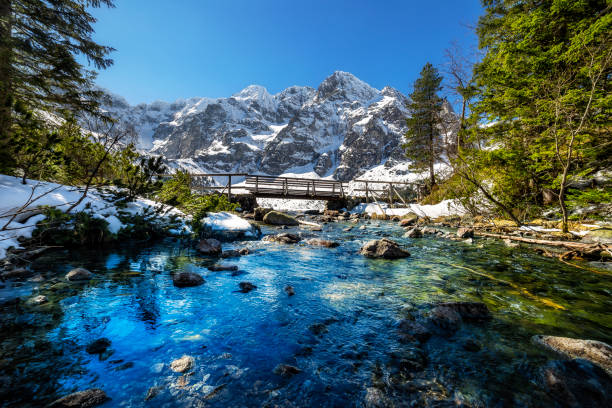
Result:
[[187, 279], [445, 317], [152, 393], [286, 370], [82, 399], [597, 352], [576, 383], [286, 238], [375, 398], [209, 246], [323, 243], [98, 346], [182, 364], [37, 300], [383, 248], [469, 310], [278, 218], [219, 268], [465, 233], [411, 329], [246, 287], [289, 290], [19, 273], [78, 274]]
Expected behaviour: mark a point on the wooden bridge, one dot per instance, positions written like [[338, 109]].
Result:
[[302, 188]]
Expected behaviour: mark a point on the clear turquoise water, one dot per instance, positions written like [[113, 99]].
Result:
[[237, 339]]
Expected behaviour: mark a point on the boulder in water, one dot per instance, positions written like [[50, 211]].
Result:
[[182, 364], [78, 274], [246, 287], [209, 246], [289, 290], [82, 399], [260, 212], [414, 233], [408, 220], [383, 248], [597, 352], [278, 218], [286, 238], [465, 233], [600, 235], [446, 318], [37, 300], [187, 279], [322, 242]]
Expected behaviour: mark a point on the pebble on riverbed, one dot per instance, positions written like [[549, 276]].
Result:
[[82, 399], [78, 274], [182, 364], [98, 346]]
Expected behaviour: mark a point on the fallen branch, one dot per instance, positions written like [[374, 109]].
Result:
[[564, 244]]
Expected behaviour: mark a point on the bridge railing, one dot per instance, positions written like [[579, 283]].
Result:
[[292, 187]]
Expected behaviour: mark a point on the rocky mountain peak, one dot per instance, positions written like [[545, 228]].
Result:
[[344, 85], [342, 129]]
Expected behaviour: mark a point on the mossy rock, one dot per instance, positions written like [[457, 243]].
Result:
[[600, 235]]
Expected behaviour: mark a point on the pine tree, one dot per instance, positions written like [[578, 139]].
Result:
[[424, 133], [40, 42]]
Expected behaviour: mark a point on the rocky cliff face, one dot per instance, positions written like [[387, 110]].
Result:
[[341, 129]]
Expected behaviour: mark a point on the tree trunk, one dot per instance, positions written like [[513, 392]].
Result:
[[5, 75], [562, 189], [461, 125], [432, 177]]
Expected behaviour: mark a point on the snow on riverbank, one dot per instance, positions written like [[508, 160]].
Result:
[[14, 196], [228, 225], [444, 208]]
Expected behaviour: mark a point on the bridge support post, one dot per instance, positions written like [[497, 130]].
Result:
[[229, 188], [367, 193]]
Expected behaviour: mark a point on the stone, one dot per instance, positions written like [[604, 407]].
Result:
[[415, 330], [597, 352], [446, 318], [260, 212], [383, 248], [78, 274], [600, 236], [465, 233], [278, 218], [331, 213], [230, 253], [219, 268], [182, 364], [289, 290], [414, 233], [285, 238], [408, 220], [576, 383], [37, 300], [98, 346], [362, 227], [244, 251], [246, 287], [82, 399], [187, 279], [152, 393], [19, 273], [209, 246], [323, 243], [286, 370], [318, 328]]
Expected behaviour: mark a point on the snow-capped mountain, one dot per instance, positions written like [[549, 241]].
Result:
[[342, 129]]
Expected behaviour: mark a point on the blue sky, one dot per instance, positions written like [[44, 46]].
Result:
[[177, 49]]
